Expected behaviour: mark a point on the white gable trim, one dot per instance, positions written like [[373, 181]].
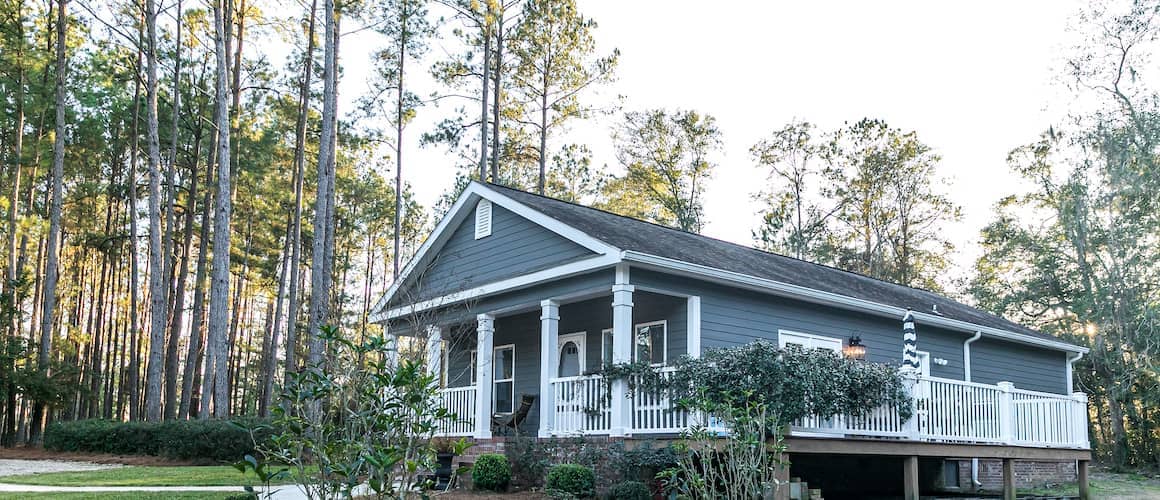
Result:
[[464, 207], [521, 281], [833, 299]]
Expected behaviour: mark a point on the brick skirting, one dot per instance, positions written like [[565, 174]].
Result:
[[1028, 474]]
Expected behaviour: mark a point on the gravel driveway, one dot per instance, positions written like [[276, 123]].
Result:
[[12, 467]]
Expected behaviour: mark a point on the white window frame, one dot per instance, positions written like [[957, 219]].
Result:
[[472, 367], [496, 381], [923, 363], [605, 333], [664, 340], [783, 335]]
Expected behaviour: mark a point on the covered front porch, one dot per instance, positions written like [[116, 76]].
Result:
[[547, 355]]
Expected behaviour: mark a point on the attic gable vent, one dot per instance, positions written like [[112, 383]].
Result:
[[483, 219]]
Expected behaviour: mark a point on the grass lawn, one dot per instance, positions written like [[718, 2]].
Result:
[[1107, 485], [126, 495], [215, 475]]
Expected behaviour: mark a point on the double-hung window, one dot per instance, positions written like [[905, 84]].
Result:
[[650, 342], [504, 379]]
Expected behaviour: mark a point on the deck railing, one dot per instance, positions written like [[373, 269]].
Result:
[[945, 410], [461, 402]]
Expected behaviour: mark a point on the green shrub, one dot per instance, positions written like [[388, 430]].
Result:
[[211, 441], [571, 479], [491, 472], [629, 490]]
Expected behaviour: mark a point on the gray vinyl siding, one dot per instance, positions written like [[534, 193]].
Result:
[[732, 316], [516, 246], [994, 361]]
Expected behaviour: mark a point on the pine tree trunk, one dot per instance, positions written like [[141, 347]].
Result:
[[496, 99], [158, 282], [323, 217], [8, 438], [196, 348], [51, 271], [291, 363], [484, 102], [216, 377], [178, 291]]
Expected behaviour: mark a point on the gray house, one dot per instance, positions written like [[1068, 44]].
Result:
[[520, 296]]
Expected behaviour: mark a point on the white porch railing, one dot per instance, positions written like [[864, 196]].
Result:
[[461, 402], [581, 405], [652, 412], [944, 410]]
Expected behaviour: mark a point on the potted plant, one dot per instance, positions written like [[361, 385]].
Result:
[[445, 451]]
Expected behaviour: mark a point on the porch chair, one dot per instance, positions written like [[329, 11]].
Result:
[[501, 423]]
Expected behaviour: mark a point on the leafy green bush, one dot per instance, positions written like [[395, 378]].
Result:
[[629, 490], [211, 441], [491, 472], [571, 479]]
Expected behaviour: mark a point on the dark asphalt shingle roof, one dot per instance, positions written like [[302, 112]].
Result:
[[631, 234]]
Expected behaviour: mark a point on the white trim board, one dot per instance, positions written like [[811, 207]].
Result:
[[508, 285]]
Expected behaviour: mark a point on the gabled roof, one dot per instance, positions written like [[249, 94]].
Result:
[[616, 238], [633, 235]]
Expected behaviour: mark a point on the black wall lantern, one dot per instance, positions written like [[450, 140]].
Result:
[[854, 348]]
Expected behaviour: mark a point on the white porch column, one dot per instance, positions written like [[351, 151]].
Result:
[[392, 348], [484, 353], [434, 352], [549, 341], [621, 351], [693, 338]]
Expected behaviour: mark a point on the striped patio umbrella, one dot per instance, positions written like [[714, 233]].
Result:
[[909, 344]]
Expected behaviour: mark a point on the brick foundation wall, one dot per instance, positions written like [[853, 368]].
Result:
[[1028, 474]]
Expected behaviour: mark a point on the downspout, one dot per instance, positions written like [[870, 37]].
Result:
[[967, 378], [1071, 359]]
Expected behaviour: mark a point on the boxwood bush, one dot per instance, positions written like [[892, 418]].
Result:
[[572, 480], [210, 441], [491, 472]]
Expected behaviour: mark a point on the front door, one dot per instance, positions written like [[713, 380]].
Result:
[[570, 361]]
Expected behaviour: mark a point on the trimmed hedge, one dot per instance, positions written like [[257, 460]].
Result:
[[629, 490], [491, 472], [574, 480], [196, 440]]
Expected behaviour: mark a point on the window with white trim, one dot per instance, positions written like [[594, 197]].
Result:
[[808, 341], [650, 342], [606, 347], [504, 379], [483, 219]]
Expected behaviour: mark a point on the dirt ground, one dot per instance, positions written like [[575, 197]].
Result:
[[479, 495]]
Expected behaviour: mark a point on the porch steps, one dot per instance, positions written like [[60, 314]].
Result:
[[800, 490]]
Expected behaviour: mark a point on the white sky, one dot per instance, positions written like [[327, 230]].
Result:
[[974, 79]]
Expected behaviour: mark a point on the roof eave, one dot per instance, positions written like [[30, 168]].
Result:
[[833, 299]]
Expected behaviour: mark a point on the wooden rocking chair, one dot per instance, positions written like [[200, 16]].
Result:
[[502, 423]]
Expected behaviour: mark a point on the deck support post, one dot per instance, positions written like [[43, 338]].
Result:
[[1081, 472], [484, 354], [549, 341], [622, 335], [435, 353], [1008, 479], [910, 477]]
